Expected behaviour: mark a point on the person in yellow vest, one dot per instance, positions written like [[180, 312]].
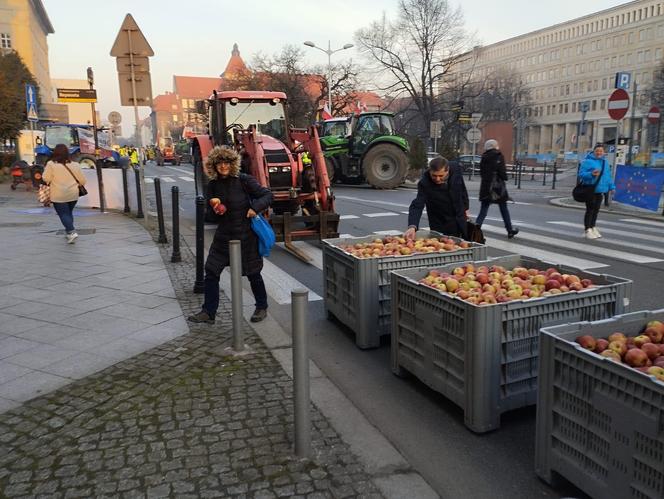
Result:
[[133, 157]]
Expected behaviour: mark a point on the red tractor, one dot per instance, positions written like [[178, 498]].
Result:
[[286, 160]]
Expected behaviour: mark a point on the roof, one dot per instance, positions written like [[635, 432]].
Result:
[[251, 94], [195, 87], [235, 64], [165, 103], [38, 6]]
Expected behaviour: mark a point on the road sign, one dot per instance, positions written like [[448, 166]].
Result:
[[623, 80], [76, 95], [141, 64], [129, 31], [475, 118], [31, 102], [143, 89], [618, 104], [435, 129], [653, 115], [474, 135], [464, 117], [114, 118], [585, 106]]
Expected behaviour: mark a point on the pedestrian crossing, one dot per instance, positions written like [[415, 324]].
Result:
[[167, 179], [557, 242]]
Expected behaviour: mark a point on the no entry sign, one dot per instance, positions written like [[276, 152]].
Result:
[[653, 115], [618, 104]]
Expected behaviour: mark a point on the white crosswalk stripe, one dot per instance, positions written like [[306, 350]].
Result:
[[187, 179], [149, 180], [167, 179], [570, 245], [279, 284], [348, 217], [181, 170], [384, 214], [643, 222], [631, 234], [629, 227]]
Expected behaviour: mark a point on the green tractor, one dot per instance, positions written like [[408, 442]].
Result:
[[365, 147]]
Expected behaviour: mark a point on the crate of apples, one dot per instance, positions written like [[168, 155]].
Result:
[[400, 246], [644, 352], [489, 284]]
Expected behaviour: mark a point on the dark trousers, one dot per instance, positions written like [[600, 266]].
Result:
[[211, 289], [592, 210], [504, 212], [66, 213]]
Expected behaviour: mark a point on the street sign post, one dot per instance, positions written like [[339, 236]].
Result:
[[31, 112], [77, 95], [618, 104], [435, 132], [132, 50], [473, 135], [475, 118]]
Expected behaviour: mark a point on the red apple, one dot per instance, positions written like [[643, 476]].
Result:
[[552, 284], [659, 361], [587, 342], [651, 350], [586, 283], [600, 345], [636, 357], [654, 333], [617, 337]]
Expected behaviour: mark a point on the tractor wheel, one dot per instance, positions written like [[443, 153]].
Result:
[[86, 161], [385, 166], [329, 166]]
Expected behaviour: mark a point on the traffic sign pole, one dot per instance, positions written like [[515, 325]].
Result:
[[631, 126]]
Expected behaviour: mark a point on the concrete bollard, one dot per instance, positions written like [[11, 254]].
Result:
[[199, 287], [235, 251], [301, 397], [160, 212], [175, 204]]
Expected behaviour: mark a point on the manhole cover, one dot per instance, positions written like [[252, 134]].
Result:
[[20, 224], [81, 232]]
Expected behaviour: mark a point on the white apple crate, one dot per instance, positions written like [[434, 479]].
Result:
[[484, 357], [600, 424], [357, 290]]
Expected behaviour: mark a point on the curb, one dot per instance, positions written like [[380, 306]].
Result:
[[567, 202]]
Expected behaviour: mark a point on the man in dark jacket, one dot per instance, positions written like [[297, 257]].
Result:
[[443, 191]]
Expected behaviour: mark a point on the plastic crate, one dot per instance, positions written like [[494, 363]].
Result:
[[357, 290], [484, 358], [599, 424]]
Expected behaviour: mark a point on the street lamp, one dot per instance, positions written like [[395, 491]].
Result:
[[329, 53]]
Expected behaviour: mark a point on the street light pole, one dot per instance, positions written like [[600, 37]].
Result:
[[329, 53]]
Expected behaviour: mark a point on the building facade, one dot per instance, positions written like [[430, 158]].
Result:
[[24, 27], [572, 66]]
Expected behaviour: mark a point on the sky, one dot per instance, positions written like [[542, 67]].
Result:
[[195, 37]]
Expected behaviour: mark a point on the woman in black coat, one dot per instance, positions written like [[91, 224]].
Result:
[[493, 164], [443, 191], [235, 198]]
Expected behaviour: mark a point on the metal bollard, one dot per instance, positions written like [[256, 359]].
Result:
[[301, 399], [125, 189], [515, 171], [139, 200], [544, 176], [532, 173], [236, 293], [160, 212], [555, 174], [100, 186], [199, 287], [520, 173], [175, 204]]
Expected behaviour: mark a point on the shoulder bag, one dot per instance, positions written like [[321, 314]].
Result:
[[261, 227], [82, 191], [583, 192], [497, 189], [475, 233], [44, 194]]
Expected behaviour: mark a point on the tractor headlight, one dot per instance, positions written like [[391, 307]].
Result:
[[273, 169], [286, 169]]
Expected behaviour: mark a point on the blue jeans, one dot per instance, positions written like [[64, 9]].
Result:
[[66, 213], [211, 289], [504, 212]]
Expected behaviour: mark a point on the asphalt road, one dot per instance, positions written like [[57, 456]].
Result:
[[426, 427]]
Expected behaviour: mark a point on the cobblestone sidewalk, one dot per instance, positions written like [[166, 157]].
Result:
[[181, 420]]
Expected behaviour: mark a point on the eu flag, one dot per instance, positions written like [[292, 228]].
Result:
[[639, 186]]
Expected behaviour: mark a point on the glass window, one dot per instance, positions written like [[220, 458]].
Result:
[[5, 41], [602, 104], [658, 54], [594, 105]]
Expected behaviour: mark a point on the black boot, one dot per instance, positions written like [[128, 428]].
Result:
[[511, 233]]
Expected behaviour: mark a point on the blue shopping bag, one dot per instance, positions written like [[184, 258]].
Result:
[[265, 234]]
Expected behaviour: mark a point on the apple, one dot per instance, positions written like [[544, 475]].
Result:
[[601, 344], [651, 350], [552, 284], [586, 283], [452, 285], [641, 340], [636, 357], [654, 333], [620, 347], [659, 361], [610, 354], [586, 341], [482, 278], [617, 337], [657, 372]]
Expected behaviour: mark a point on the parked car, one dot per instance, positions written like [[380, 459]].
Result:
[[466, 162]]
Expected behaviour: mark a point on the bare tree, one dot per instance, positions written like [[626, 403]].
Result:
[[502, 96], [414, 54], [656, 91]]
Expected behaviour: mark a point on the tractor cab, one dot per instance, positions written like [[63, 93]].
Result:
[[366, 128]]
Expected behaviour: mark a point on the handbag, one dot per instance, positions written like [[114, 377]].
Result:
[[475, 233], [82, 191], [265, 234], [583, 192], [497, 188], [44, 194]]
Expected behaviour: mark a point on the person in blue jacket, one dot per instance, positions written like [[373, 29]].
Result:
[[590, 172]]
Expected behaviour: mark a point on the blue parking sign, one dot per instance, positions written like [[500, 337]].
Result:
[[31, 102], [623, 80]]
